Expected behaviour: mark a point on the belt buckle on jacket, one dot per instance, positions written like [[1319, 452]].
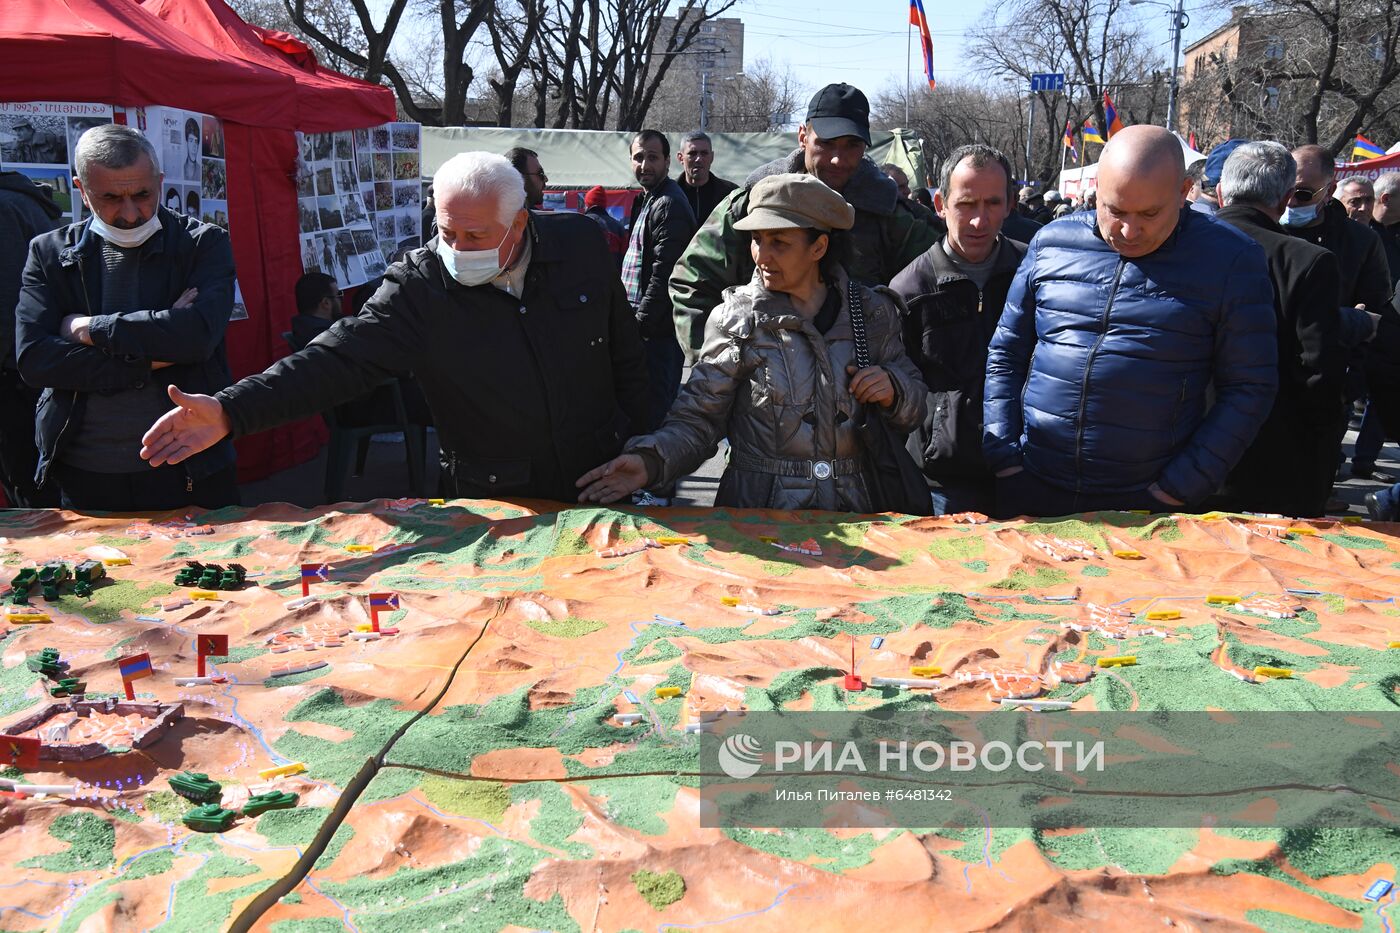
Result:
[[821, 469]]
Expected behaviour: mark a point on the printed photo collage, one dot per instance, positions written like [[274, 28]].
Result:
[[191, 147], [37, 139], [359, 199], [193, 158]]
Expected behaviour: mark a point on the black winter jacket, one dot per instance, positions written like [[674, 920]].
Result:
[[1365, 276], [26, 210], [947, 328], [527, 393], [1301, 425], [670, 223], [64, 276]]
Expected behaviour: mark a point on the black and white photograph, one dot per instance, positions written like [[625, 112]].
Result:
[[343, 147], [406, 194], [325, 179], [322, 147], [352, 209], [30, 139], [328, 210], [308, 215]]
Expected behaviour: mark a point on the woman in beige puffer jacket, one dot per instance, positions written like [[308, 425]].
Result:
[[776, 374]]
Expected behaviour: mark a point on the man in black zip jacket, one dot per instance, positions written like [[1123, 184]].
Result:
[[111, 312], [1254, 189], [954, 293], [515, 325]]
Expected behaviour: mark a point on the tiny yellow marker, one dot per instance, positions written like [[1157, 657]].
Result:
[[1138, 512], [364, 627], [1273, 672], [729, 600], [664, 693], [1222, 600], [203, 594], [437, 501], [1128, 555], [1122, 660], [1353, 519], [27, 618], [360, 548], [1394, 644], [1163, 615], [926, 671], [672, 540], [295, 767], [1302, 530], [1213, 516], [768, 538], [116, 561]]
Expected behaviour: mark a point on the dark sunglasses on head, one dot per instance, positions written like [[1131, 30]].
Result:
[[1305, 194]]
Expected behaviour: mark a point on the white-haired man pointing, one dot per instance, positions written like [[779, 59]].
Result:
[[515, 325]]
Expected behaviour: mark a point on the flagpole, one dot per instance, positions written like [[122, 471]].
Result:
[[908, 68]]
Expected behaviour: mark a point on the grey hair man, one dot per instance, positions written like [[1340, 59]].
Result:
[[113, 313], [1254, 189], [703, 189], [513, 322], [1385, 219], [1358, 196]]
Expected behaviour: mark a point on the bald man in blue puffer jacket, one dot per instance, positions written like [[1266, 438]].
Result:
[[1136, 357]]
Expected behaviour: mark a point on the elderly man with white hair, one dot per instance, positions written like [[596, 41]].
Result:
[[515, 325]]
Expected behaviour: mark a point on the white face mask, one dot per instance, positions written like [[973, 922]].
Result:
[[126, 239], [472, 266], [1299, 216]]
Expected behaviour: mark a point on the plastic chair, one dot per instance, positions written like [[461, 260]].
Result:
[[345, 437]]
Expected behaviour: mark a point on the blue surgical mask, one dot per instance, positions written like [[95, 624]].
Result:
[[1299, 216], [472, 266]]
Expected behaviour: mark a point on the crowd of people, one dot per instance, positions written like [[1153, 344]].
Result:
[[1172, 340]]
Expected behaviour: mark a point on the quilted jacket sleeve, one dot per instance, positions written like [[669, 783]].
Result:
[[1008, 365], [1245, 375]]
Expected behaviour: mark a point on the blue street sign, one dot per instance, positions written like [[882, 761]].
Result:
[[1048, 82]]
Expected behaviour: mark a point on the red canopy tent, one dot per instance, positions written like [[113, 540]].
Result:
[[197, 55]]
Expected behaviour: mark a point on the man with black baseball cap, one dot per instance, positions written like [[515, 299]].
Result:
[[887, 235]]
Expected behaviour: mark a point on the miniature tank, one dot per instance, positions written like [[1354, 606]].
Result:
[[68, 686], [233, 577], [48, 664], [189, 574], [208, 818], [192, 785], [272, 800]]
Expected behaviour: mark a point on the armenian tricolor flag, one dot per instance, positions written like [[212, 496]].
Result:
[[1363, 148], [134, 667], [384, 600], [1069, 139], [1090, 132], [311, 572], [1110, 116], [919, 19]]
